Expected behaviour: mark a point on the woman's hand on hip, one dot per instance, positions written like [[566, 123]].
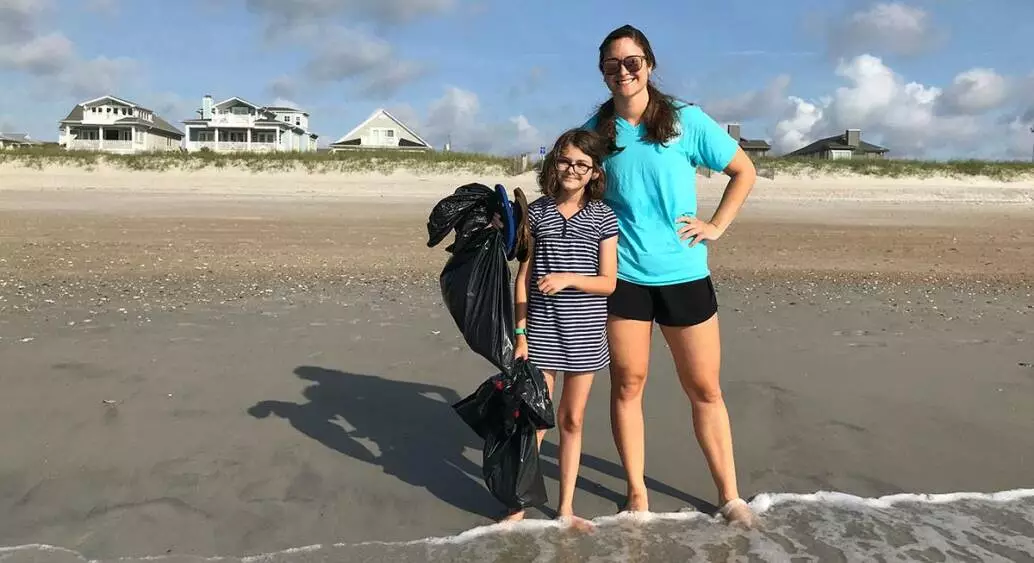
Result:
[[698, 230]]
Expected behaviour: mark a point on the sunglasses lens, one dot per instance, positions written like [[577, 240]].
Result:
[[611, 66], [633, 64]]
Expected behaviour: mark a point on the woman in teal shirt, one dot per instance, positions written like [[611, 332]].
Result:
[[663, 276]]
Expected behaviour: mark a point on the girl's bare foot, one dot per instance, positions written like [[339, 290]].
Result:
[[576, 522], [636, 502], [514, 516], [738, 512]]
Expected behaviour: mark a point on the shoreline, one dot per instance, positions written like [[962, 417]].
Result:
[[196, 376]]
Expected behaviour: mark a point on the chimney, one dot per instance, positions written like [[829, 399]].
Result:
[[734, 131], [206, 107], [853, 137]]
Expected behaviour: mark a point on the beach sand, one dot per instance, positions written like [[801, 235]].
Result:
[[225, 367]]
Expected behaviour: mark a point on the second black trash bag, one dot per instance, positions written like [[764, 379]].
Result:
[[507, 411], [475, 282]]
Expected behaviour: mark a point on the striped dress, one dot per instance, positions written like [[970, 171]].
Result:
[[568, 331]]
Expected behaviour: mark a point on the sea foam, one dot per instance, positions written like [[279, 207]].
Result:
[[820, 526]]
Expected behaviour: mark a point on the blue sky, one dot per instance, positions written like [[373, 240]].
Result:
[[931, 78]]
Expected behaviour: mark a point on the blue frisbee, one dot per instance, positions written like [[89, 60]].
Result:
[[509, 222]]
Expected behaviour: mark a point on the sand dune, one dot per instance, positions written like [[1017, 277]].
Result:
[[298, 183]]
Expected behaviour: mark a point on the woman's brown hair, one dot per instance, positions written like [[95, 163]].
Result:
[[590, 143], [660, 118]]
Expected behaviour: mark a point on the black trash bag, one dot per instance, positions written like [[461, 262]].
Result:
[[468, 210], [475, 282], [506, 411]]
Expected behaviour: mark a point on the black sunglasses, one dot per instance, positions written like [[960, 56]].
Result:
[[632, 63]]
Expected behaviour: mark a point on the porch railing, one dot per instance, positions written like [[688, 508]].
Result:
[[95, 145]]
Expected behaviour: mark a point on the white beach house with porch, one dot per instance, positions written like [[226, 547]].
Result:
[[112, 124], [237, 125]]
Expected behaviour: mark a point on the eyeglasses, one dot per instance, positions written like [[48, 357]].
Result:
[[562, 164], [632, 63]]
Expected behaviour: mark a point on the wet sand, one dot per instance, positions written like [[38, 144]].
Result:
[[218, 375]]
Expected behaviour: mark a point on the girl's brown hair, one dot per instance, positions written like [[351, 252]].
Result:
[[660, 118], [590, 143]]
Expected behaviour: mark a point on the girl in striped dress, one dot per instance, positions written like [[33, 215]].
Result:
[[561, 290]]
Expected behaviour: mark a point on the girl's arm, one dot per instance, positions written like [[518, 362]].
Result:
[[522, 286]]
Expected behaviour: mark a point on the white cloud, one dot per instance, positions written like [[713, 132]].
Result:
[[283, 87], [457, 117], [51, 57], [793, 130], [285, 14], [910, 118], [753, 104], [975, 91], [19, 19], [42, 55], [891, 28], [1020, 137], [284, 103], [350, 55]]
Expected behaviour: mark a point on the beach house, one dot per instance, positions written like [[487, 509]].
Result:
[[16, 140], [846, 145], [381, 131], [111, 124], [237, 125], [753, 147]]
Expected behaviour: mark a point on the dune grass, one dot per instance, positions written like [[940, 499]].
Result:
[[316, 163], [899, 168], [437, 162]]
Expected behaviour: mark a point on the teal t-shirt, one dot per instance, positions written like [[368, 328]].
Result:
[[649, 186]]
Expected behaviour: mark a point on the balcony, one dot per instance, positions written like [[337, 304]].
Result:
[[230, 120]]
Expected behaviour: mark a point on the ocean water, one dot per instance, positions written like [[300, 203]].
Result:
[[821, 527]]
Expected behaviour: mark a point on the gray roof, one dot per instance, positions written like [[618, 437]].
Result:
[[285, 108], [158, 123], [754, 144], [838, 142], [77, 114]]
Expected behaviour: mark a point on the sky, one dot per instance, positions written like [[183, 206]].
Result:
[[931, 79]]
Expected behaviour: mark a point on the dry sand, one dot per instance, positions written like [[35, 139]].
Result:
[[229, 365]]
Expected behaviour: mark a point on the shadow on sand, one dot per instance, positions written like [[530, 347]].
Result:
[[420, 439]]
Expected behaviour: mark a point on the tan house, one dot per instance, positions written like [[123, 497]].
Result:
[[381, 131], [111, 124], [847, 145]]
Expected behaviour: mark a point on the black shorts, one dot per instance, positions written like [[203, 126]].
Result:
[[682, 304]]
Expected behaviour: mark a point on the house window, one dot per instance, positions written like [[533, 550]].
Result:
[[240, 110], [382, 136], [265, 137], [205, 136], [287, 119]]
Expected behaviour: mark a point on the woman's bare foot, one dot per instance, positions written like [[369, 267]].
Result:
[[738, 512], [636, 502], [513, 516], [578, 523]]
